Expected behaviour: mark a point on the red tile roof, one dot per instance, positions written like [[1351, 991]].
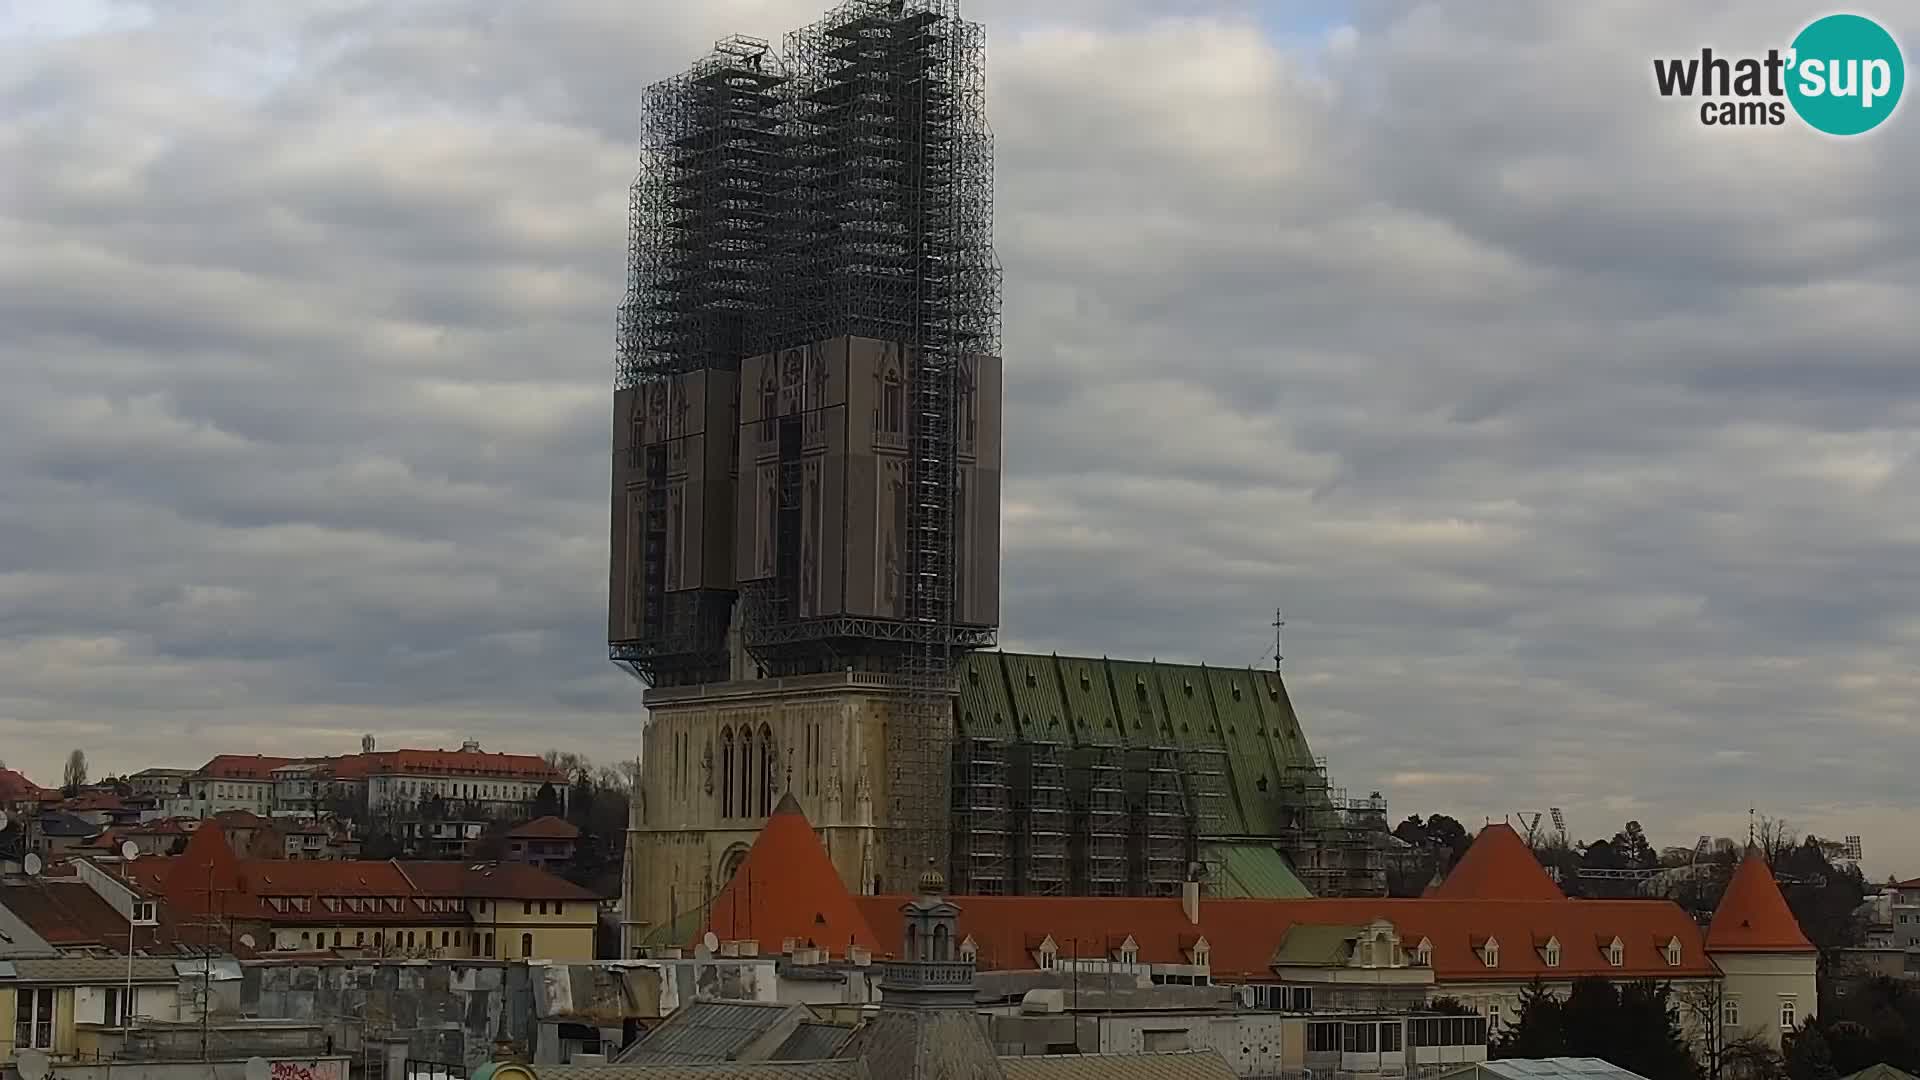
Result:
[[477, 763], [242, 819], [1244, 934], [1498, 866], [787, 888], [1753, 916], [69, 914], [15, 787], [794, 891], [243, 767], [240, 888], [545, 828]]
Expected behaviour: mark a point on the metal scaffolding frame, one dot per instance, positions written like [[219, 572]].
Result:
[[1097, 782], [983, 819], [1164, 824], [1333, 840], [1044, 821], [841, 188]]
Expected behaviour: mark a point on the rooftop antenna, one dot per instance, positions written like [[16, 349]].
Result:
[[129, 851], [1278, 624]]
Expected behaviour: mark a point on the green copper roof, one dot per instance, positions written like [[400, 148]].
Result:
[[1315, 946], [1240, 713], [1252, 872]]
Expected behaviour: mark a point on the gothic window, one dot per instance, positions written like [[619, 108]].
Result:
[[942, 944], [726, 772], [746, 772], [769, 769]]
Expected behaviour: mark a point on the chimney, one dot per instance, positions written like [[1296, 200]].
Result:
[[1190, 901]]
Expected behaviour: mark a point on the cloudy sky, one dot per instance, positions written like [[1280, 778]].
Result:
[[1577, 441]]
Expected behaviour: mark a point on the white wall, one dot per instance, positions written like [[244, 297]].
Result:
[[1761, 982]]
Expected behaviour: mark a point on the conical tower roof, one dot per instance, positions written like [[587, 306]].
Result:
[[1498, 866], [787, 888], [1753, 916]]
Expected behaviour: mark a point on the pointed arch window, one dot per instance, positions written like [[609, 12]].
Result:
[[769, 769], [726, 772], [746, 772]]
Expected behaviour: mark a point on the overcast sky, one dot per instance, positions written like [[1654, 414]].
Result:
[[1578, 441]]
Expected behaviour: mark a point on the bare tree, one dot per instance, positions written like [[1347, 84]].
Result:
[[75, 775]]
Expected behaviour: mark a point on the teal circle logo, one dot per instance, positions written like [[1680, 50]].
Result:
[[1847, 74]]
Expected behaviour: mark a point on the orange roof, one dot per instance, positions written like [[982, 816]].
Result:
[[1244, 934], [1753, 916], [787, 888], [446, 763], [243, 766], [15, 787], [1498, 866], [545, 828], [240, 887]]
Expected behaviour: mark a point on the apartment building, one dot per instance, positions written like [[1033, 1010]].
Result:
[[502, 911]]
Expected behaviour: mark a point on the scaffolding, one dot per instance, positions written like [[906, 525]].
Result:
[[1163, 825], [1044, 821], [1334, 841], [705, 217], [983, 823], [1097, 785], [841, 188]]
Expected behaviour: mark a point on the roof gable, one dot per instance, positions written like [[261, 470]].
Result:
[[786, 887], [1753, 916], [1499, 866]]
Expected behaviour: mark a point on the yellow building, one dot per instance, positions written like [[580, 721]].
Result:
[[44, 998], [486, 910]]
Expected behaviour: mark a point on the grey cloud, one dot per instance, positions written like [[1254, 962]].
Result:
[[1574, 439]]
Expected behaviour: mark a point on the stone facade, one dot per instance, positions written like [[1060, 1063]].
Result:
[[718, 759]]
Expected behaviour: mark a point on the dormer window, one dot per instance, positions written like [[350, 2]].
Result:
[[1490, 953], [1616, 954], [1202, 955], [1048, 955], [1552, 953], [1129, 951], [1423, 954], [1673, 953], [969, 951]]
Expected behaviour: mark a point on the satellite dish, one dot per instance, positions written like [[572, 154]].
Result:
[[256, 1068], [33, 1064], [32, 865], [129, 850], [711, 942], [247, 940]]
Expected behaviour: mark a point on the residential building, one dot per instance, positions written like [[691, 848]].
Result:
[[58, 834], [229, 782], [20, 796], [545, 842], [159, 783], [50, 997], [504, 911], [474, 782]]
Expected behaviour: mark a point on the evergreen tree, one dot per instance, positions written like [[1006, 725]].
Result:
[[1808, 1056], [1632, 1027], [546, 801]]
